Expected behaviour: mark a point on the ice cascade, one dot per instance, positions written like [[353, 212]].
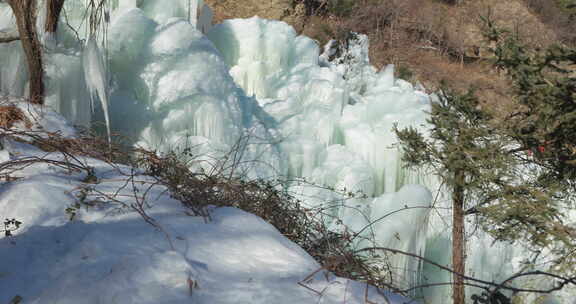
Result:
[[253, 92]]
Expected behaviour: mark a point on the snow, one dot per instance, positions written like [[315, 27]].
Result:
[[109, 254], [38, 119]]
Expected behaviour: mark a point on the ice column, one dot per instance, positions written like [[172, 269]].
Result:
[[401, 221], [96, 77], [194, 11]]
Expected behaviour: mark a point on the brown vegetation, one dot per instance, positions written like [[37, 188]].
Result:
[[10, 115], [556, 17]]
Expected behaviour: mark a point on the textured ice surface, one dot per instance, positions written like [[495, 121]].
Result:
[[312, 105], [276, 107], [254, 92], [327, 139], [191, 94], [392, 230]]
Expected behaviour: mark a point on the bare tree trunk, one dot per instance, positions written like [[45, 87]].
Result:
[[53, 9], [25, 12], [458, 242]]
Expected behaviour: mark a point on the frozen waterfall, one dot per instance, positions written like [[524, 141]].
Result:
[[254, 87]]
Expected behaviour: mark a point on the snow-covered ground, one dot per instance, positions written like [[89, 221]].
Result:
[[108, 253]]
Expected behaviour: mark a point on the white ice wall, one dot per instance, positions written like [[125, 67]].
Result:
[[254, 85]]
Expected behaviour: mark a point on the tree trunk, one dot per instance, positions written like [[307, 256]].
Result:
[[25, 12], [458, 242], [53, 9]]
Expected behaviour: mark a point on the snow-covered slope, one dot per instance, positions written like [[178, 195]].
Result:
[[108, 253]]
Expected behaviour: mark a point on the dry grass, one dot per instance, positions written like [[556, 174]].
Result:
[[556, 18], [269, 9], [492, 88], [10, 115], [88, 145]]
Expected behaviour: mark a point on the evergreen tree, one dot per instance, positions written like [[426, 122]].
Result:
[[516, 175], [457, 148], [544, 126], [545, 86]]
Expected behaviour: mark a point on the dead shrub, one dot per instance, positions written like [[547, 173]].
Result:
[[267, 199], [85, 144], [10, 115], [377, 16], [339, 8], [197, 190]]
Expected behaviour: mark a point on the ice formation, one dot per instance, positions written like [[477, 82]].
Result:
[[108, 254], [254, 92], [96, 78]]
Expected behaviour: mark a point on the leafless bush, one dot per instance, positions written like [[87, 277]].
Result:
[[327, 7], [375, 16], [268, 200], [557, 19], [197, 190], [10, 114]]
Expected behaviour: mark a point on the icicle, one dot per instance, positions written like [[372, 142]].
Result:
[[96, 78], [193, 11]]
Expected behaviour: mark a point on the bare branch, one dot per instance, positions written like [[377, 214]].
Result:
[[560, 280], [9, 35]]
